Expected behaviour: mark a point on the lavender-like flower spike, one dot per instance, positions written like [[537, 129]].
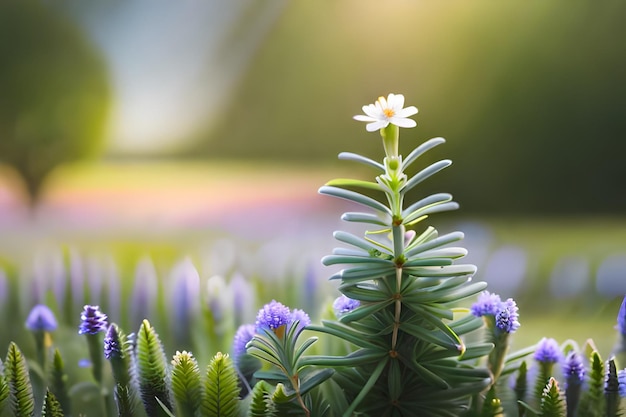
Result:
[[112, 344], [93, 321], [487, 304], [272, 316], [621, 377], [547, 351], [621, 319], [507, 316], [343, 305], [244, 334], [41, 318], [574, 369]]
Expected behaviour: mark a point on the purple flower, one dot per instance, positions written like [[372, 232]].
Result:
[[41, 318], [574, 369], [93, 321], [547, 351], [621, 318], [621, 377], [343, 305], [487, 304], [272, 316], [244, 334], [301, 318], [112, 344], [507, 316]]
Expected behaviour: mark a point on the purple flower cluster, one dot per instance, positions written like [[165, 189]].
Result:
[[274, 315], [505, 313], [343, 305], [547, 351], [244, 334], [621, 318], [574, 369], [621, 377], [41, 318], [93, 321]]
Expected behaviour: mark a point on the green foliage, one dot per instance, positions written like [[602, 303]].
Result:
[[20, 390], [186, 384], [124, 392], [4, 389], [58, 382], [552, 404], [260, 401], [593, 402], [55, 91], [611, 391], [51, 406], [221, 396], [408, 337], [152, 371]]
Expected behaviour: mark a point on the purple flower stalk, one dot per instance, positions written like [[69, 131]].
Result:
[[507, 316], [244, 334], [112, 344], [487, 304], [621, 319], [93, 321], [41, 318], [547, 351], [343, 305], [574, 369], [273, 316]]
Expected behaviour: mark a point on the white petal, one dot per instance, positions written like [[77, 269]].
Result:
[[403, 122], [409, 111], [372, 111], [398, 102], [383, 102], [377, 125], [362, 118]]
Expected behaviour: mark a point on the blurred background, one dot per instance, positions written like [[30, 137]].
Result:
[[138, 135]]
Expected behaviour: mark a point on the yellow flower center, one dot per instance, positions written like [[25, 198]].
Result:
[[389, 113]]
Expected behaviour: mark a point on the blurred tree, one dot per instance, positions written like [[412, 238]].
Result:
[[530, 98], [54, 92]]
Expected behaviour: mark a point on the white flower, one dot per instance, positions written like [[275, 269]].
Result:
[[386, 111]]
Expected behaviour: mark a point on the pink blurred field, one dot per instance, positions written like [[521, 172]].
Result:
[[171, 196]]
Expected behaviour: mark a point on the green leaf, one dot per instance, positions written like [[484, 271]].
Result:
[[51, 406], [342, 259], [611, 391], [367, 387], [552, 403], [221, 396], [425, 174], [186, 384], [420, 150], [152, 371], [347, 182], [359, 242], [20, 389], [311, 378], [384, 220], [418, 246], [432, 200], [58, 382], [4, 389], [592, 401], [355, 197], [260, 402], [349, 156]]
